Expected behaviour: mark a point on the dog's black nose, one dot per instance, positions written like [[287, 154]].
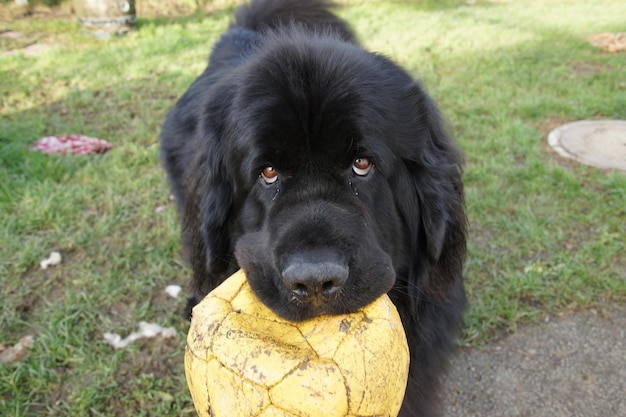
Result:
[[315, 277]]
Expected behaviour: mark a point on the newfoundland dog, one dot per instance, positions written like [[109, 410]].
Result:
[[325, 172]]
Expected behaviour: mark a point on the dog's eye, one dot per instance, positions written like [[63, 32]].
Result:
[[269, 174], [362, 166]]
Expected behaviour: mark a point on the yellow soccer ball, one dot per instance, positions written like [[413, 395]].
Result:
[[242, 360]]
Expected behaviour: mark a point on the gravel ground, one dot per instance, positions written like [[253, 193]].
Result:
[[571, 366]]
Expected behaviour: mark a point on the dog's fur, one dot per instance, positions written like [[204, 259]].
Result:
[[325, 172]]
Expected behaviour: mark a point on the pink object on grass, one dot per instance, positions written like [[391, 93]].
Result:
[[71, 145]]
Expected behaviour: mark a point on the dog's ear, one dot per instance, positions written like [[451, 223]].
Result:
[[435, 211], [207, 211]]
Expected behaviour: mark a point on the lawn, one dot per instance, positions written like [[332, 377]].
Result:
[[547, 235]]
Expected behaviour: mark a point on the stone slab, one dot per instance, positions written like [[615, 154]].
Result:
[[599, 143]]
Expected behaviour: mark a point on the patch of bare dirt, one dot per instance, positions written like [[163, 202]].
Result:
[[158, 357], [12, 42], [589, 68], [51, 283], [10, 11]]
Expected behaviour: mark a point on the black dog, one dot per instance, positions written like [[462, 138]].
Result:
[[324, 171]]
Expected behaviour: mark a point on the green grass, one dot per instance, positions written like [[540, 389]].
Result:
[[547, 235]]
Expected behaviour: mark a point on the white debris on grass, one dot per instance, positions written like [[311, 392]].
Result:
[[173, 290], [146, 330], [53, 259]]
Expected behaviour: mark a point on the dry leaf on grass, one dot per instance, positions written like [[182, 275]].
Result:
[[610, 42], [17, 352]]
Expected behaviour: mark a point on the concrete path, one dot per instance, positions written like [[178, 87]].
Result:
[[572, 366]]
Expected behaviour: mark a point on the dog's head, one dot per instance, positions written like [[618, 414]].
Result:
[[327, 172]]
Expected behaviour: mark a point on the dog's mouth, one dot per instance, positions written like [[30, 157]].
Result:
[[314, 282]]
